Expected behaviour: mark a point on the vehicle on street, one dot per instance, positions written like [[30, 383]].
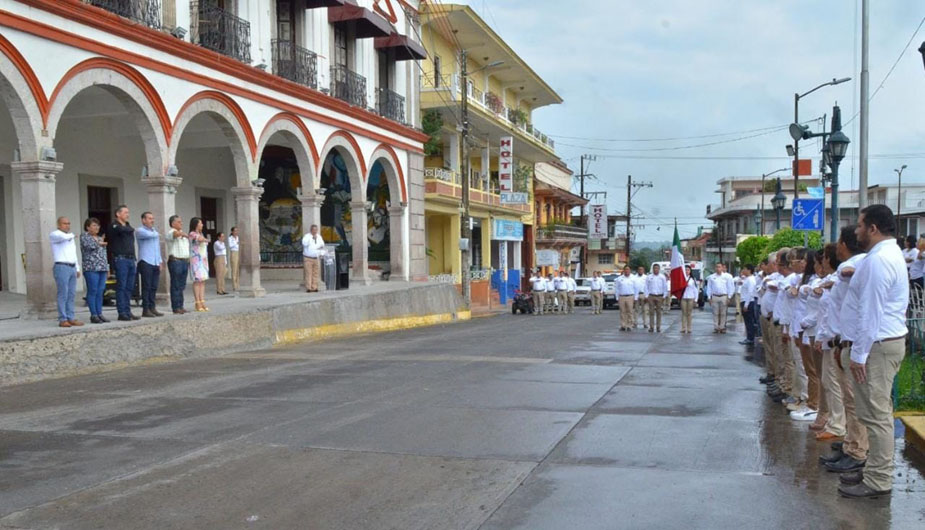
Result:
[[523, 302], [610, 296], [583, 291]]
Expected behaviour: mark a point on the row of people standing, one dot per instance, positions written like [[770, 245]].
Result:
[[553, 294], [187, 254], [833, 328], [641, 297]]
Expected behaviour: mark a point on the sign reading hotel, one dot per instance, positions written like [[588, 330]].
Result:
[[598, 227], [506, 172]]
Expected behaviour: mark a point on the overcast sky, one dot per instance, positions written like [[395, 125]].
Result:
[[680, 68]]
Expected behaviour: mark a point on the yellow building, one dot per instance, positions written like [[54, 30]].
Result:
[[503, 91]]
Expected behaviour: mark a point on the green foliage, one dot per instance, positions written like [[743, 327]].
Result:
[[431, 123], [752, 250], [522, 177], [518, 116], [770, 186], [787, 237], [644, 257]]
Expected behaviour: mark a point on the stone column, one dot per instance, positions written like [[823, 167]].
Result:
[[397, 244], [311, 210], [37, 180], [360, 272], [247, 200], [162, 195]]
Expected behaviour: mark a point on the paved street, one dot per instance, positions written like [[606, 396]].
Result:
[[504, 422]]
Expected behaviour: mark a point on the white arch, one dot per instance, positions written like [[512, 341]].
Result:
[[353, 160], [228, 122], [289, 134], [391, 173], [145, 116], [23, 108]]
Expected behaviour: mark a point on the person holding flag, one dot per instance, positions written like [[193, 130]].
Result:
[[679, 280]]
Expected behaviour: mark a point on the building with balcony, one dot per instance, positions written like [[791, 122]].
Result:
[[502, 92], [268, 115], [608, 255], [561, 239]]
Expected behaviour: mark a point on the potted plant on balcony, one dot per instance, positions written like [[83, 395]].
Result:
[[432, 123], [517, 117]]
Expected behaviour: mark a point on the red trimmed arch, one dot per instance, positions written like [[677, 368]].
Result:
[[235, 110], [301, 125], [35, 86], [356, 148], [133, 75], [401, 175]]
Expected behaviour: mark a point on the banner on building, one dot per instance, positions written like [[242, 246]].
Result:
[[513, 197], [547, 258], [598, 222], [507, 230], [506, 164]]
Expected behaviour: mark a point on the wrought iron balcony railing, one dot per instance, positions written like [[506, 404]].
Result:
[[295, 63], [391, 105], [562, 232], [147, 12], [349, 86], [222, 32]]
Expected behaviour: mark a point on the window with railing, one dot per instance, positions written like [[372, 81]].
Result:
[[391, 105], [605, 259], [347, 85], [223, 32], [147, 12], [295, 63]]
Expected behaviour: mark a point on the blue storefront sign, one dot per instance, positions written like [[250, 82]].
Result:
[[505, 230]]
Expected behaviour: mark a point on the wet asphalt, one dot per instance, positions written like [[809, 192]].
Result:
[[554, 422]]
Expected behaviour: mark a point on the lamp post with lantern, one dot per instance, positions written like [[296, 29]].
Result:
[[778, 201]]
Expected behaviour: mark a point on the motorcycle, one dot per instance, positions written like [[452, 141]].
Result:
[[523, 302]]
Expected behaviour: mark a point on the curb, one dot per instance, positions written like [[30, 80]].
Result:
[[292, 336], [915, 431]]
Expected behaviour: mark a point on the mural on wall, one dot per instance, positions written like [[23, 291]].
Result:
[[335, 211], [280, 209], [377, 197]]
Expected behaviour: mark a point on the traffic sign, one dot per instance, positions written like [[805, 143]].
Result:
[[808, 214]]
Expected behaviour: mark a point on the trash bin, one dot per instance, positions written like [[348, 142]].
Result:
[[343, 270], [329, 272]]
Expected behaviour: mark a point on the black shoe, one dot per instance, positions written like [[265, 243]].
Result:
[[766, 380], [837, 446], [845, 465], [147, 314], [103, 319], [850, 479], [95, 319], [861, 491], [135, 317], [157, 313], [831, 459], [777, 397], [127, 318]]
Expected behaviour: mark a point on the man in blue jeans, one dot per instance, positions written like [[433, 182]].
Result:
[[122, 245], [66, 271], [149, 264], [177, 262]]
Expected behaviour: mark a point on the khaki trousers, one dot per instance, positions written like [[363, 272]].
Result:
[[655, 311], [627, 318], [832, 393], [311, 268], [799, 380], [597, 302], [571, 302], [539, 300], [219, 263], [641, 307], [687, 314], [235, 258], [812, 376], [785, 357], [719, 304], [769, 363], [562, 298], [874, 404], [856, 442], [550, 301]]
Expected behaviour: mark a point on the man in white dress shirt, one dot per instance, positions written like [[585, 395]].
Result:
[[720, 286], [640, 305], [66, 271], [571, 289], [597, 293], [561, 285], [882, 289], [748, 295], [550, 294], [312, 252], [656, 290], [625, 289], [538, 288], [234, 256]]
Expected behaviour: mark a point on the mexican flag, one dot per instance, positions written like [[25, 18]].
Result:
[[678, 281]]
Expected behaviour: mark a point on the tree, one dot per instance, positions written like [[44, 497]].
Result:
[[788, 237], [644, 257], [432, 123], [752, 250]]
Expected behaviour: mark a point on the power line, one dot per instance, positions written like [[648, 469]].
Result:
[[699, 137], [676, 148]]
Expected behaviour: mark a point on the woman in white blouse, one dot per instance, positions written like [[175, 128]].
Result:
[[917, 269], [688, 299], [910, 252]]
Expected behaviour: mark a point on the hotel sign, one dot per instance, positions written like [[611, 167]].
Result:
[[506, 165], [598, 219]]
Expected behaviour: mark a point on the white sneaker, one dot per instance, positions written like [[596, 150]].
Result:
[[804, 414]]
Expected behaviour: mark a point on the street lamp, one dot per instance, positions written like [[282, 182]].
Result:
[[838, 147], [761, 226], [758, 218], [778, 201], [794, 130], [922, 51], [899, 199]]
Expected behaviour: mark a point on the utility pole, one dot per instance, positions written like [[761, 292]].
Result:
[[629, 212], [864, 127], [796, 148], [465, 232], [584, 220]]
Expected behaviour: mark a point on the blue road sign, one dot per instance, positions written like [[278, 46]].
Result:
[[808, 214]]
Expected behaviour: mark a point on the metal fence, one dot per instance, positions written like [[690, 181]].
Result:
[[147, 12], [223, 32], [909, 385]]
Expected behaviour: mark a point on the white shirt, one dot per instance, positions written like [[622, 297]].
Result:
[[720, 284], [219, 248], [770, 296], [848, 312], [749, 290], [782, 306], [917, 269], [798, 304], [312, 246], [597, 284], [691, 291], [550, 285], [233, 243], [559, 283], [539, 284], [570, 285], [625, 286], [813, 301], [63, 248], [910, 254], [882, 288], [656, 285], [640, 282]]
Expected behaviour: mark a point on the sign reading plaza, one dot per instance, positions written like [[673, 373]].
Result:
[[598, 228]]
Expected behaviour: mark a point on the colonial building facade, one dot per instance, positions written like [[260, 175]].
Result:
[[268, 115]]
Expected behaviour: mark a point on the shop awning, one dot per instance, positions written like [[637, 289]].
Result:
[[368, 24], [405, 49], [312, 4]]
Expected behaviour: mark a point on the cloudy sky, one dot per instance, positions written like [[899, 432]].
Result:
[[631, 70]]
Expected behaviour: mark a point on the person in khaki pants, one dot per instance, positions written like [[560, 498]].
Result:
[[219, 262], [597, 293], [234, 256], [538, 288], [571, 289], [881, 285], [656, 290], [625, 289], [312, 252]]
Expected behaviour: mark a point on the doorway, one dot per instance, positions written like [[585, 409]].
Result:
[[208, 212], [101, 201]]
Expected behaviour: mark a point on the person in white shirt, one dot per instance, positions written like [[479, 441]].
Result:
[[917, 270], [720, 286], [538, 288], [625, 289], [641, 305], [910, 251], [312, 252], [597, 293], [656, 290], [832, 403], [571, 289], [551, 294], [688, 299], [219, 262], [747, 297], [882, 289], [234, 256], [776, 285], [561, 285], [66, 271]]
